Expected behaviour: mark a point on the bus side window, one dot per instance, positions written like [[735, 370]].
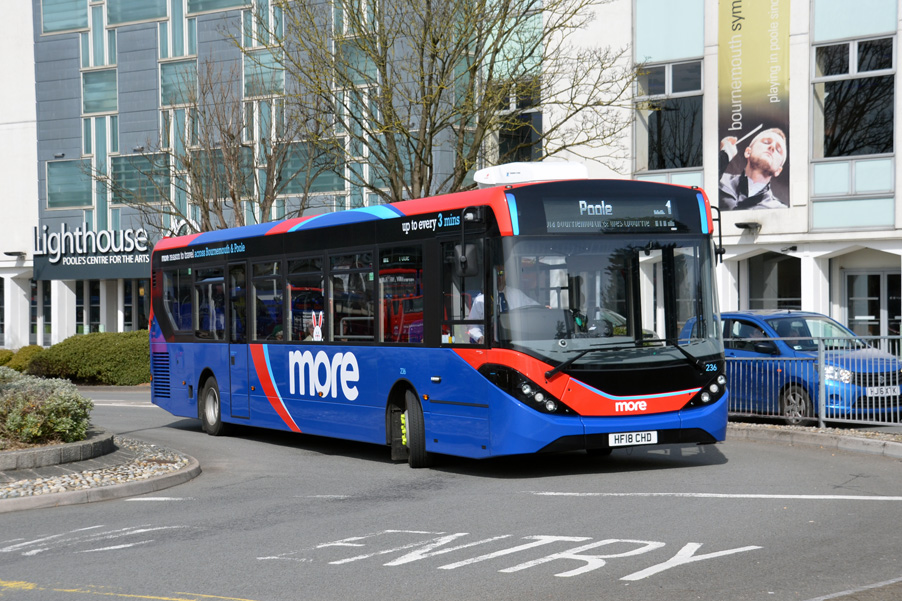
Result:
[[353, 300], [209, 303], [177, 298], [306, 301], [460, 325], [401, 285], [238, 303], [268, 303]]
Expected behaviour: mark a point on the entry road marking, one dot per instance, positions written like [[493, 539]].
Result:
[[707, 495]]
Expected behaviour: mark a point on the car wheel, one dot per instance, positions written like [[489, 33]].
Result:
[[795, 406], [211, 409]]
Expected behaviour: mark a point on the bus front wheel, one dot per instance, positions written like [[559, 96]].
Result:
[[211, 409], [416, 433]]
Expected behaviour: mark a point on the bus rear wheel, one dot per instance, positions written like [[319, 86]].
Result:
[[211, 409], [418, 456]]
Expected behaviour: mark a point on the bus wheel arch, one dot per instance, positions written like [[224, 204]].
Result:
[[405, 426], [209, 406]]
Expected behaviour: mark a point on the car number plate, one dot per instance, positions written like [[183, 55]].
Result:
[[624, 439], [881, 391]]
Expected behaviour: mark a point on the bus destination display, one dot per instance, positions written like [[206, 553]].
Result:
[[564, 216]]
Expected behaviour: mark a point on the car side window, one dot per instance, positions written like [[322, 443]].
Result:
[[745, 334]]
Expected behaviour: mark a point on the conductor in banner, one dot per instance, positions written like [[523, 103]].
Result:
[[751, 187]]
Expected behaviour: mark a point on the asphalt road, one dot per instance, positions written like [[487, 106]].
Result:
[[278, 517]]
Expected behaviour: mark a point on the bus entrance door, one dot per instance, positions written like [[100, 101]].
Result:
[[238, 350]]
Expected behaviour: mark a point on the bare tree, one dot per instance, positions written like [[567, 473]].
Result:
[[418, 93], [222, 159]]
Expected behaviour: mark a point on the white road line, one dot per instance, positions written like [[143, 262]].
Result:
[[122, 404], [858, 590], [705, 495], [339, 497], [117, 547]]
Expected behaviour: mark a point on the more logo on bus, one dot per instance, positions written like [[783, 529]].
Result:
[[322, 374], [629, 406]]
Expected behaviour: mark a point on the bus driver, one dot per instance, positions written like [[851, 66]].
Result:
[[508, 298]]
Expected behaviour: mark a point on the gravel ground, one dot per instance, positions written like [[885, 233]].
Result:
[[148, 461]]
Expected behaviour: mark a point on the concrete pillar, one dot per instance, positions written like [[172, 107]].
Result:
[[816, 285], [16, 301], [728, 285], [120, 305], [108, 305], [62, 303]]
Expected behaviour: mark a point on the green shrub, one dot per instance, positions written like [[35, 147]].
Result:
[[5, 356], [24, 356], [111, 358], [34, 410]]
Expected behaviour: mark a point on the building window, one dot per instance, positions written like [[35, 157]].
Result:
[[178, 36], [69, 184], [669, 132], [33, 314], [853, 87], [178, 82], [40, 320], [94, 307], [80, 307], [47, 312], [98, 46], [125, 11], [198, 6], [520, 135], [261, 24], [63, 15], [99, 92]]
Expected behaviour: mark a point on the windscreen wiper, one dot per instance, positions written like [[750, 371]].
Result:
[[610, 346], [672, 342]]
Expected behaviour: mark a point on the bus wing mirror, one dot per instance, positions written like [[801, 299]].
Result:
[[466, 264]]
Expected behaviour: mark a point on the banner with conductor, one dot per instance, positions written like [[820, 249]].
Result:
[[753, 104]]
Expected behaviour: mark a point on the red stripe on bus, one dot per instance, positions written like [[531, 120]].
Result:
[[582, 398], [269, 389]]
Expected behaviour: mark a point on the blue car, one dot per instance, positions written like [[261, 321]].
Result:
[[772, 367]]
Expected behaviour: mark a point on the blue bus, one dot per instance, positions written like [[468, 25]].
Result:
[[518, 318]]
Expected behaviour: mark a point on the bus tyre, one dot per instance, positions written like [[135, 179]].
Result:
[[795, 405], [211, 409], [416, 433]]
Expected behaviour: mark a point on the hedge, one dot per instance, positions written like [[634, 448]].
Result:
[[24, 356], [110, 358], [37, 411]]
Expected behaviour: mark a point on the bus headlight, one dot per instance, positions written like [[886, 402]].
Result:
[[524, 390], [710, 392]]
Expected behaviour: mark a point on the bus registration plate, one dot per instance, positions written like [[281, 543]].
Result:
[[624, 439]]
